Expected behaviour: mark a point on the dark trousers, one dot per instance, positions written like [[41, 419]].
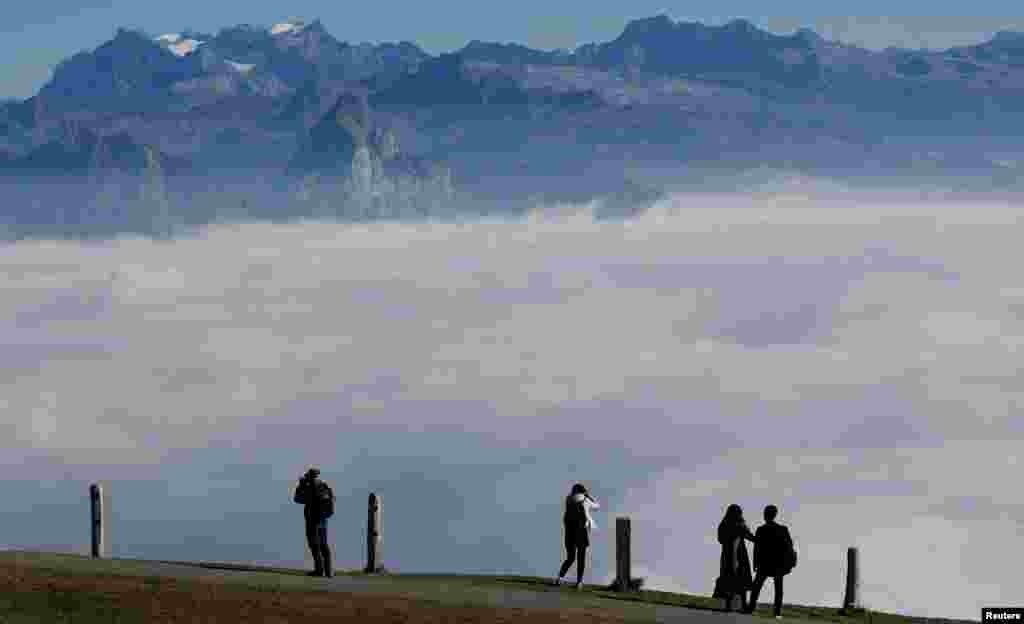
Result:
[[575, 550], [730, 598], [316, 537], [758, 583]]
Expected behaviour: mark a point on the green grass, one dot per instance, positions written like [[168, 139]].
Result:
[[63, 607], [447, 589]]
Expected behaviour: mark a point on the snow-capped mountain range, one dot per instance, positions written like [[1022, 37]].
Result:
[[662, 91], [181, 46]]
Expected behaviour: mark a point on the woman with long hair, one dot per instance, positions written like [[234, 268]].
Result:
[[577, 522], [734, 575]]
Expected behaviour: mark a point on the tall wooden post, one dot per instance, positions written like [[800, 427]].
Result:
[[97, 521], [373, 536], [622, 555], [851, 600]]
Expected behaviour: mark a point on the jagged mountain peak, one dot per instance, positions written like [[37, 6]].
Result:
[[809, 35], [645, 26], [242, 32], [352, 112], [661, 30], [1009, 41], [123, 34], [1009, 36], [741, 24], [127, 41], [331, 143]]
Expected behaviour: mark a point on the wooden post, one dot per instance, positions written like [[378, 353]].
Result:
[[373, 536], [851, 601], [97, 521], [622, 555]]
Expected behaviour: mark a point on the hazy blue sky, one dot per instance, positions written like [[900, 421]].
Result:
[[856, 363], [37, 35]]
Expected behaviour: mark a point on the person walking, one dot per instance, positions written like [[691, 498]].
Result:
[[774, 556], [734, 577], [577, 522], [318, 499]]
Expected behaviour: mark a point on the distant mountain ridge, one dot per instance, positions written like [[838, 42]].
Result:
[[497, 119], [138, 72]]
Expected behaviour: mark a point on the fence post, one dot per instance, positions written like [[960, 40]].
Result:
[[97, 521], [373, 536], [623, 576], [851, 600]]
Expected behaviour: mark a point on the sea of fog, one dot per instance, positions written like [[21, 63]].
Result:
[[854, 363]]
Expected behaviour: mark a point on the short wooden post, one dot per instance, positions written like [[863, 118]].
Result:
[[97, 521], [373, 536], [622, 555], [851, 600]]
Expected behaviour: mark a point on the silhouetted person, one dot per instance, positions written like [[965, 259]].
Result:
[[577, 523], [318, 499], [734, 575], [773, 557]]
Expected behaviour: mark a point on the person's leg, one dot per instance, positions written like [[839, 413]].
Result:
[[756, 590], [325, 549], [581, 563], [728, 599], [570, 556], [778, 595], [314, 547]]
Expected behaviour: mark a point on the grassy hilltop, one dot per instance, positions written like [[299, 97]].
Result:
[[46, 587]]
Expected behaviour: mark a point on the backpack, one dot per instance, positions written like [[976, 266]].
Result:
[[325, 500], [789, 559]]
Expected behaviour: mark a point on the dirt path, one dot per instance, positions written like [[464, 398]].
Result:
[[462, 592]]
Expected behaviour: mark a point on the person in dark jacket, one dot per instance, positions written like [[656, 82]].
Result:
[[734, 564], [318, 499], [773, 547], [577, 523]]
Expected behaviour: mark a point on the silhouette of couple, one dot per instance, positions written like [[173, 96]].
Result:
[[774, 557]]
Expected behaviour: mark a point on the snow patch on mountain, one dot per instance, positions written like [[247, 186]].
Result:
[[292, 25], [184, 47], [168, 38], [241, 68]]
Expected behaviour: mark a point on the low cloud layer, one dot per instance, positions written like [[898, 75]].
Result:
[[854, 364]]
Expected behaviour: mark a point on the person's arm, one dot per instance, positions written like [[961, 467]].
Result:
[[301, 492], [745, 531], [735, 546], [588, 504], [757, 546]]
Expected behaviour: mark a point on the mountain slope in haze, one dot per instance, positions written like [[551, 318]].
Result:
[[349, 157]]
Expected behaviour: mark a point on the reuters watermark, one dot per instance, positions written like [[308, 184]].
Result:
[[1002, 614]]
